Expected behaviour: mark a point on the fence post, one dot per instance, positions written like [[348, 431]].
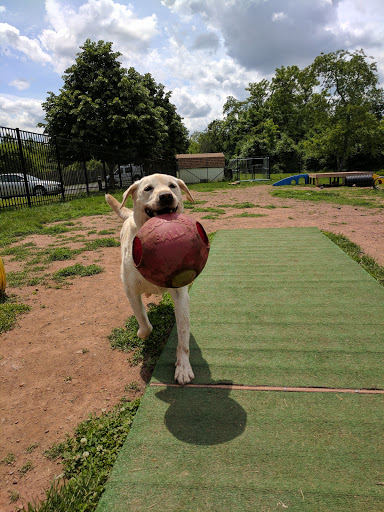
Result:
[[85, 170], [23, 166], [59, 169], [104, 171]]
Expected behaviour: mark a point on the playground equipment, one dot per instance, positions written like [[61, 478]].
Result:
[[378, 182], [361, 180], [170, 250], [288, 181], [2, 278]]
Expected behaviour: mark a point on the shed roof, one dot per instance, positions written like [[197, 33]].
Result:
[[200, 155]]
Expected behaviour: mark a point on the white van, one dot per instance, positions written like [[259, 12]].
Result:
[[129, 174]]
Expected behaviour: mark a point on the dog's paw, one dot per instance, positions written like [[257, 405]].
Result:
[[144, 333], [183, 373]]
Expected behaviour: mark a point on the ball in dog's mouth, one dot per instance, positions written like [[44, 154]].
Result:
[[163, 211]]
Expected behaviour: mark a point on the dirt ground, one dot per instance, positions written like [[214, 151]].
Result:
[[57, 364]]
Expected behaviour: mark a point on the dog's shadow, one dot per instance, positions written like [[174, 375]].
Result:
[[203, 415]]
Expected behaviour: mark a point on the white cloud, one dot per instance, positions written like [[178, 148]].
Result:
[[2, 8], [95, 19], [20, 84], [278, 16], [10, 38], [22, 113], [202, 50], [255, 40], [200, 85]]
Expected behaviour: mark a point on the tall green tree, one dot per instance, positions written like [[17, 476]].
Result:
[[329, 114], [103, 103], [354, 106]]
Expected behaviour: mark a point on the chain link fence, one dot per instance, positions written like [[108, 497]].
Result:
[[255, 168], [38, 169]]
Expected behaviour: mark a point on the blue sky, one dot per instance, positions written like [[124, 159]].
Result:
[[201, 50]]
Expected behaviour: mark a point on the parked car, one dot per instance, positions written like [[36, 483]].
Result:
[[13, 184], [129, 174]]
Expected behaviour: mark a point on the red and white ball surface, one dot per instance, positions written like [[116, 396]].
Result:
[[170, 250]]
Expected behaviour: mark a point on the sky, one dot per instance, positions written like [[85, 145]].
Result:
[[201, 50]]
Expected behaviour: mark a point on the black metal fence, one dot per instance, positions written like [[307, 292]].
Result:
[[38, 169]]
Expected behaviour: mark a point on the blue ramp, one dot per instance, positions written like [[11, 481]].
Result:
[[288, 181]]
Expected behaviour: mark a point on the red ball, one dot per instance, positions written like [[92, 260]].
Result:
[[170, 250]]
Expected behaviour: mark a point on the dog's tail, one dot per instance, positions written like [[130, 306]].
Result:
[[123, 212]]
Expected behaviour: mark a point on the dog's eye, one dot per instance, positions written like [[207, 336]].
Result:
[[172, 185], [148, 188]]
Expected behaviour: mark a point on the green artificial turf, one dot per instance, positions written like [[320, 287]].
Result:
[[282, 307], [214, 450]]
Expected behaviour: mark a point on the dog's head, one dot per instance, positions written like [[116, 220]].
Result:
[[155, 195]]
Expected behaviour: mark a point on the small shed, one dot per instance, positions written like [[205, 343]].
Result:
[[201, 167]]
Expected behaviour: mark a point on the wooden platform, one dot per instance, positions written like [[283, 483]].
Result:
[[314, 178]]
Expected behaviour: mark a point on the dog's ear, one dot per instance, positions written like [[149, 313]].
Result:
[[184, 187], [129, 192]]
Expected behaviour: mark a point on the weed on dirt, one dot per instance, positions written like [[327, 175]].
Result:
[[147, 351], [87, 458], [9, 311]]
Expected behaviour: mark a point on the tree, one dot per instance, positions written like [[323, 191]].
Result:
[[329, 114], [355, 106], [103, 103]]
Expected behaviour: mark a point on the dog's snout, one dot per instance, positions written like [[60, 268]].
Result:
[[166, 199]]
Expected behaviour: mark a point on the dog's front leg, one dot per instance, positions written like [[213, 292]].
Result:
[[145, 328], [180, 297]]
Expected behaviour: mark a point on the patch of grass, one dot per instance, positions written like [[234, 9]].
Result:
[[55, 451], [77, 270], [23, 278], [13, 496], [222, 185], [101, 242], [9, 459], [61, 254], [55, 230], [216, 211], [189, 206], [28, 466], [133, 386], [162, 318], [339, 197], [19, 252], [247, 214], [20, 223], [240, 206], [88, 458], [31, 447], [356, 253], [9, 311], [106, 232]]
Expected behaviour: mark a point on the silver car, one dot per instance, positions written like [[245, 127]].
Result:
[[14, 185]]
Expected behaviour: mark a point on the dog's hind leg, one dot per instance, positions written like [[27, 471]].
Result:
[[180, 297], [145, 328]]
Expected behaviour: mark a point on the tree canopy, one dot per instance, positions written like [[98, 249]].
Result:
[[105, 104], [328, 115]]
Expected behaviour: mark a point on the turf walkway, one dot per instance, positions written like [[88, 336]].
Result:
[[273, 307]]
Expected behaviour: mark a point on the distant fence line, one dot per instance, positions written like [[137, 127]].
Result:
[[38, 169]]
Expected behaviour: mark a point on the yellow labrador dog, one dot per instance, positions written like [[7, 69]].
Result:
[[153, 195]]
